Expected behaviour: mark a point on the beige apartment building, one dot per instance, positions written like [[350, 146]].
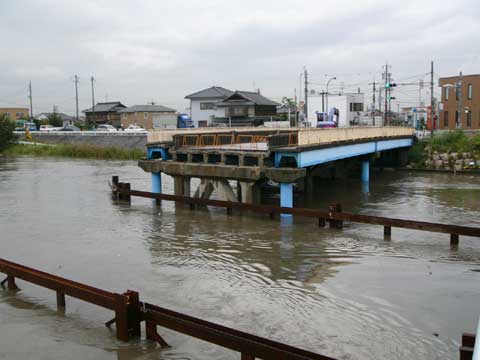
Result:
[[15, 113], [456, 92], [148, 116]]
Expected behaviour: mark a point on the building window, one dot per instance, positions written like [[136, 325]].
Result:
[[145, 116], [446, 91], [356, 107], [124, 116], [470, 91], [237, 111], [7, 114], [456, 118], [469, 119], [445, 119], [19, 115], [207, 106]]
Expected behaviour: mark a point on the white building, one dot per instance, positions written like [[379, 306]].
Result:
[[350, 107], [203, 104]]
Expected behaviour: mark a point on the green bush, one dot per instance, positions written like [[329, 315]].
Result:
[[417, 154], [6, 132]]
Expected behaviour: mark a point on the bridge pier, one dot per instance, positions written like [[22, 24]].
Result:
[[365, 170], [286, 196], [157, 185]]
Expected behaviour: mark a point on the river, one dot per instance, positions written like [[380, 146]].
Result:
[[344, 293]]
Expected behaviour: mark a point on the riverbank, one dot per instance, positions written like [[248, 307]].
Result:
[[74, 151], [453, 151]]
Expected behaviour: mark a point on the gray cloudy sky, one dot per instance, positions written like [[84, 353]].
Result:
[[141, 51]]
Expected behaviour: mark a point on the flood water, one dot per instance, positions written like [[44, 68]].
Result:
[[347, 293]]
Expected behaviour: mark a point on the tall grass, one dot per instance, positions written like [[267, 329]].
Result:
[[75, 151]]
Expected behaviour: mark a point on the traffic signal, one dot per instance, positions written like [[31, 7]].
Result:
[[390, 85]]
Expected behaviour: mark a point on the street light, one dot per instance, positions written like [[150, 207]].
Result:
[[328, 82]]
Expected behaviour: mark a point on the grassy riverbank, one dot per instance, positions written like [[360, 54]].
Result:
[[453, 150], [75, 151]]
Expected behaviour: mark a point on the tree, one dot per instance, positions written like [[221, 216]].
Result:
[[55, 120], [6, 131], [291, 105]]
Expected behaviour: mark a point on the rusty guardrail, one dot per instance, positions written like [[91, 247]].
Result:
[[334, 215], [130, 312]]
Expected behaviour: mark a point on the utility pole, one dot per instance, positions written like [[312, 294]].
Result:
[[305, 107], [373, 103], [30, 97], [458, 90], [92, 79], [385, 75], [76, 94], [432, 100], [323, 100]]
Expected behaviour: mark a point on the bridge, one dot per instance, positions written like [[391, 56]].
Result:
[[252, 156]]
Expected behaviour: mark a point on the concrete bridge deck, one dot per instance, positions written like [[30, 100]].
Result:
[[250, 155]]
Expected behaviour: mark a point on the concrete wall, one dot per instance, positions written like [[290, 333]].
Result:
[[311, 136], [121, 140]]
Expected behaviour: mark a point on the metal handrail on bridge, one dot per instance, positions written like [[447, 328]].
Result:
[[130, 312]]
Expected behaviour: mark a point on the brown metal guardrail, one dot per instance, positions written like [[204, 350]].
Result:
[[334, 215], [130, 312]]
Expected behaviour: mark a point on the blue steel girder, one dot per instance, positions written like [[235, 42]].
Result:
[[157, 150], [319, 156]]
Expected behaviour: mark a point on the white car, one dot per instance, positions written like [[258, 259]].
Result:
[[46, 127], [106, 128], [135, 129]]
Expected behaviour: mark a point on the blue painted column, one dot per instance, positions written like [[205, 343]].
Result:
[[157, 183], [286, 196], [157, 187], [366, 170]]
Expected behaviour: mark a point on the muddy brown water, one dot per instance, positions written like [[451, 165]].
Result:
[[348, 294]]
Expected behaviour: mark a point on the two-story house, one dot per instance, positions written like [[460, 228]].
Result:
[[105, 113], [217, 105], [149, 116], [203, 105]]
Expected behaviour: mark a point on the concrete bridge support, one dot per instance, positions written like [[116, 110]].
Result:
[[286, 196], [221, 187], [366, 170], [250, 192], [181, 185]]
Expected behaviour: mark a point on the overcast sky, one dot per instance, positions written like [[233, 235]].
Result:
[[141, 51]]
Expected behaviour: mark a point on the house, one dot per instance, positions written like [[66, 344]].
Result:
[[15, 113], [415, 117], [105, 113], [148, 116], [217, 105], [66, 119], [203, 105], [350, 107], [246, 108], [460, 92]]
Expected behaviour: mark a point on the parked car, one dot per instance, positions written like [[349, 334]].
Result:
[[46, 127], [106, 127], [135, 129], [69, 128]]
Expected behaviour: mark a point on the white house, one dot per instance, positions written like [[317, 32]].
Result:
[[203, 104], [350, 107], [66, 119]]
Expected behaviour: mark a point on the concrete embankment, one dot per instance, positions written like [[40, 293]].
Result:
[[120, 140]]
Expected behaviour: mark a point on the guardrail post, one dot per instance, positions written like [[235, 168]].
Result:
[[126, 186], [134, 316], [151, 333], [468, 343], [387, 230], [454, 239], [121, 316], [115, 187], [332, 209], [60, 299]]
